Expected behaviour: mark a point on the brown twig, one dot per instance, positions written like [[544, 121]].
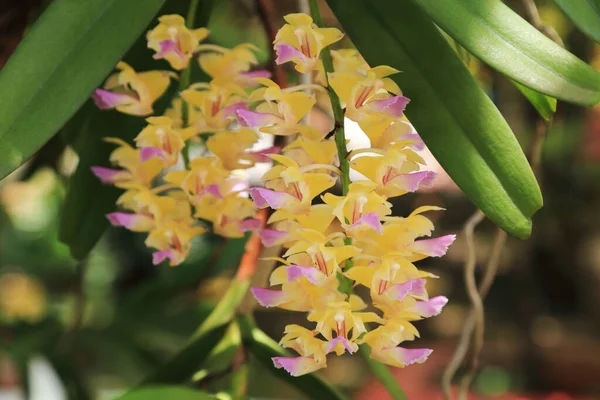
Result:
[[534, 18], [268, 15], [465, 339]]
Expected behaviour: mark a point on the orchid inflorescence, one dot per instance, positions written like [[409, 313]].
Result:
[[350, 238]]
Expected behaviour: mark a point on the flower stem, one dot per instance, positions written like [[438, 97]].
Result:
[[184, 81], [338, 112], [383, 373]]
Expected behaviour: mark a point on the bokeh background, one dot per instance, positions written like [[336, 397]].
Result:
[[99, 326]]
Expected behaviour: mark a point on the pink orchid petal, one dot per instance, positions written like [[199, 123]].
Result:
[[297, 366], [340, 339], [106, 99], [263, 155], [269, 297], [248, 77], [128, 220], [160, 256], [418, 142], [313, 275], [368, 219], [431, 307], [414, 287], [407, 356], [435, 247], [255, 119], [214, 190], [264, 198], [271, 237], [412, 182], [146, 153], [231, 110], [394, 106], [167, 47], [251, 224], [286, 53], [107, 175]]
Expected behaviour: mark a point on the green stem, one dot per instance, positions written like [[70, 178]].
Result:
[[338, 112], [380, 370], [185, 78], [383, 373]]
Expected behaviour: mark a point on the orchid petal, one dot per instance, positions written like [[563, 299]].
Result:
[[297, 366], [431, 307], [313, 275], [106, 99], [414, 287], [435, 247], [268, 297]]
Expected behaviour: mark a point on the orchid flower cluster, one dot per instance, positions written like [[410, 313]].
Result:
[[329, 240], [352, 237], [170, 199]]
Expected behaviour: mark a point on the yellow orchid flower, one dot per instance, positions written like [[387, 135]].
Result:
[[172, 239], [291, 187], [149, 210], [174, 42], [135, 172], [361, 209], [342, 319], [326, 259], [301, 42], [231, 65], [232, 148], [344, 60], [370, 98], [217, 104], [395, 172], [159, 139], [132, 92], [282, 110], [303, 341]]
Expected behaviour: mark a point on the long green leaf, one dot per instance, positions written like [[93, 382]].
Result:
[[166, 393], [544, 105], [498, 36], [458, 122], [264, 349], [66, 54], [585, 14], [204, 340]]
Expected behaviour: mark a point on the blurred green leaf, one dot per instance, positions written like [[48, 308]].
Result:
[[383, 373], [88, 200], [64, 56], [221, 357], [544, 105], [458, 122], [206, 337], [261, 346], [585, 14], [166, 393], [494, 33]]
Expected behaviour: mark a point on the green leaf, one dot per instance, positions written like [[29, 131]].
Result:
[[383, 374], [87, 201], [83, 219], [164, 393], [585, 14], [264, 349], [494, 33], [206, 337], [544, 105], [458, 122], [66, 54]]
